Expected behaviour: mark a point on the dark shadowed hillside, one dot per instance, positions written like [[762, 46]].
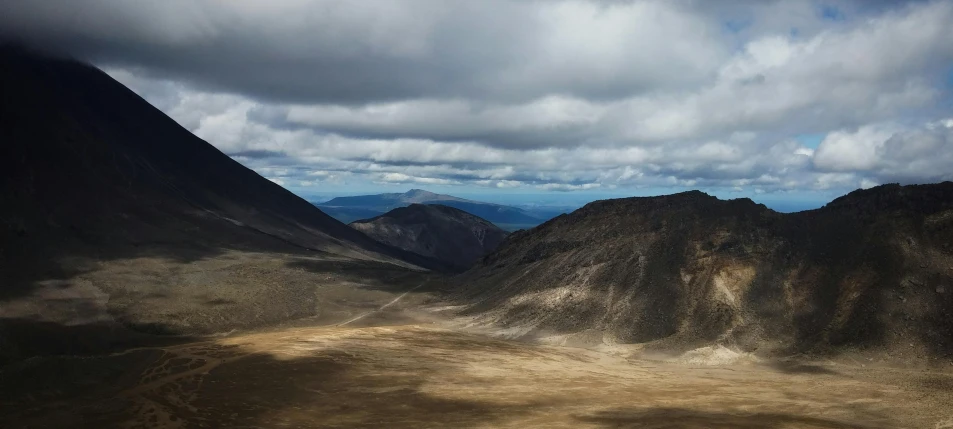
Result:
[[113, 213], [82, 152], [872, 270], [435, 231]]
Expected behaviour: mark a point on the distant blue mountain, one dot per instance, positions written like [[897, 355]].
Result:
[[349, 209]]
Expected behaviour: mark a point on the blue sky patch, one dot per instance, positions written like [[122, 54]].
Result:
[[832, 13], [736, 26], [810, 140]]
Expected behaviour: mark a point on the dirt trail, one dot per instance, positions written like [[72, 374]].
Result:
[[381, 308]]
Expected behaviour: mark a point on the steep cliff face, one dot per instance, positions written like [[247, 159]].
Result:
[[872, 270], [435, 231]]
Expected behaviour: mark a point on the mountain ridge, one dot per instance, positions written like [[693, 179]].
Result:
[[871, 271]]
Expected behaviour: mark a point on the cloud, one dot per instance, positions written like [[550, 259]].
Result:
[[851, 151], [891, 154], [567, 187], [743, 160], [347, 52], [403, 178], [499, 184], [553, 96]]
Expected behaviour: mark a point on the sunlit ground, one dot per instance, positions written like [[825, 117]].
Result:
[[414, 376]]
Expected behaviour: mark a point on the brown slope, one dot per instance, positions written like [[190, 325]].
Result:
[[870, 271], [435, 231]]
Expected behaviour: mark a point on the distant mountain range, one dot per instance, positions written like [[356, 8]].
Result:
[[350, 209]]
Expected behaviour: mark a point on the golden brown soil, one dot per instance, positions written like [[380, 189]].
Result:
[[412, 376]]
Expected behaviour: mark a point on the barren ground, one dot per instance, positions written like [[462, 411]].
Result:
[[412, 372]]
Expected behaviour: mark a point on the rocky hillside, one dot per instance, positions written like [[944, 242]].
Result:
[[871, 271], [435, 231]]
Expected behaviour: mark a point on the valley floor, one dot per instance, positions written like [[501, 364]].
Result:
[[365, 355], [421, 375]]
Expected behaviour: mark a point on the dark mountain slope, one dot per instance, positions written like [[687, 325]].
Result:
[[435, 231], [79, 147], [872, 270], [358, 207], [112, 212]]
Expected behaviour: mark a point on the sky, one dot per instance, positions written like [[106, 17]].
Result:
[[785, 102]]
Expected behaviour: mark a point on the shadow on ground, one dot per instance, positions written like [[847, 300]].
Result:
[[678, 418], [152, 296], [414, 377], [370, 275], [789, 367], [353, 384]]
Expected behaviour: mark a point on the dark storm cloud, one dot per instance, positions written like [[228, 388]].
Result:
[[352, 52]]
